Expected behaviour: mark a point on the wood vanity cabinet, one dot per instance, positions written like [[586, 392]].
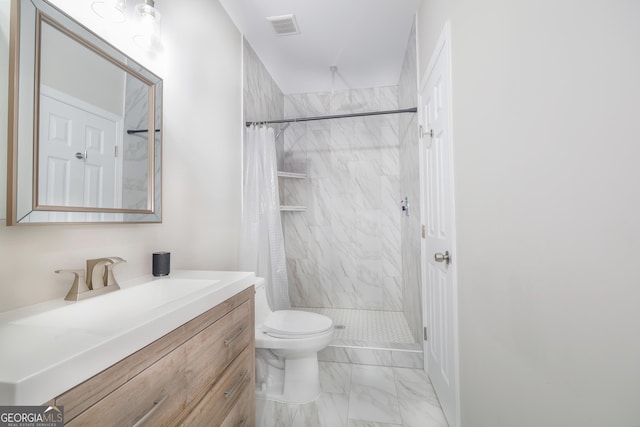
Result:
[[200, 374]]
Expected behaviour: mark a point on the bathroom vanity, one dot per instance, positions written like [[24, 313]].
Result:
[[180, 351]]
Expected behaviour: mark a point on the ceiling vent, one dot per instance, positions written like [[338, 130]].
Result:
[[284, 25]]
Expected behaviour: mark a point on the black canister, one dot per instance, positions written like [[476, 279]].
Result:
[[161, 263]]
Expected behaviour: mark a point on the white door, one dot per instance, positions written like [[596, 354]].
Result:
[[77, 161], [438, 254]]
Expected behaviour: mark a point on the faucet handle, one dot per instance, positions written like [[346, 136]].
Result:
[[109, 278], [96, 272], [79, 284]]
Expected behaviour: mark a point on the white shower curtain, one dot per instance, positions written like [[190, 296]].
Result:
[[262, 244]]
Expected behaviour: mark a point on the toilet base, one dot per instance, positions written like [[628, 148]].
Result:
[[293, 379]]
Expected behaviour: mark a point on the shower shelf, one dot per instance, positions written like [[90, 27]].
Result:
[[283, 174], [293, 208], [296, 175]]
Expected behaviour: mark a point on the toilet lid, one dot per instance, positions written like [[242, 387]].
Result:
[[292, 323]]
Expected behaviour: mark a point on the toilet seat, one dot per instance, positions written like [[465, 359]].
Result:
[[294, 324]]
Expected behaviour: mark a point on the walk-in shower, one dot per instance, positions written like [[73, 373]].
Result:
[[341, 191], [352, 252]]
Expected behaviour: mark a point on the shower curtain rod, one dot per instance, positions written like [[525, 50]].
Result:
[[337, 116]]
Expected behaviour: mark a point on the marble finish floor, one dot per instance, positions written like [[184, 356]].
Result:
[[361, 396]]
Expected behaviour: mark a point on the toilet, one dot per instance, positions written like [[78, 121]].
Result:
[[287, 345]]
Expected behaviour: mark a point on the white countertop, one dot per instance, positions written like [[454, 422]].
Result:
[[51, 347]]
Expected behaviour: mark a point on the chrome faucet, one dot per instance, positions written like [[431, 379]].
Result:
[[97, 280]]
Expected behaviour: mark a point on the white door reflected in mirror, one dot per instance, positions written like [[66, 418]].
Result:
[[85, 125]]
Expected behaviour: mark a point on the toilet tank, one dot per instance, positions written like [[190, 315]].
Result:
[[262, 304]]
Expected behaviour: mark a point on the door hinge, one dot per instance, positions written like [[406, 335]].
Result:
[[115, 151], [425, 334], [424, 231], [423, 133]]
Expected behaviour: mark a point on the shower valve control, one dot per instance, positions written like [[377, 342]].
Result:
[[404, 204]]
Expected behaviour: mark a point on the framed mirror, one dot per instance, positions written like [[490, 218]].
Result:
[[85, 138]]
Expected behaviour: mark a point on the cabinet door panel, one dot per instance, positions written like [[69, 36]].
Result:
[[211, 353], [225, 393], [243, 413]]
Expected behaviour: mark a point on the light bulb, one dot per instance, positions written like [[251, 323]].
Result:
[[147, 25]]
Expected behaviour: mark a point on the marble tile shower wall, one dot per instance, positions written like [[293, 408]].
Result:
[[345, 250], [263, 99], [410, 184], [351, 248], [135, 147]]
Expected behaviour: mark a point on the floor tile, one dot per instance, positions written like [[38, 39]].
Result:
[[335, 377], [361, 396], [414, 383], [418, 402], [329, 410], [274, 414], [373, 395], [368, 325], [358, 423]]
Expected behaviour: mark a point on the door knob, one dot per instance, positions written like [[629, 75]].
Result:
[[81, 156], [445, 257]]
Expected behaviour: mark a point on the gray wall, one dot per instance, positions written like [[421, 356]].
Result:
[[202, 167], [72, 68], [545, 143], [5, 12]]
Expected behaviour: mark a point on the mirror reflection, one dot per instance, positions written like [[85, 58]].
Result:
[[85, 157], [83, 114]]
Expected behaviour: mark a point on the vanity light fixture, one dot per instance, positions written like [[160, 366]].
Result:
[[110, 10], [146, 24]]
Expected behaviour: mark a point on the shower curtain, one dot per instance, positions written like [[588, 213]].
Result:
[[262, 244]]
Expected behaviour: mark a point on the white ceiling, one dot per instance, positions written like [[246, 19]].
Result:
[[365, 39]]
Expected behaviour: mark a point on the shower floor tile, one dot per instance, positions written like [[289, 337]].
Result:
[[372, 326]]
